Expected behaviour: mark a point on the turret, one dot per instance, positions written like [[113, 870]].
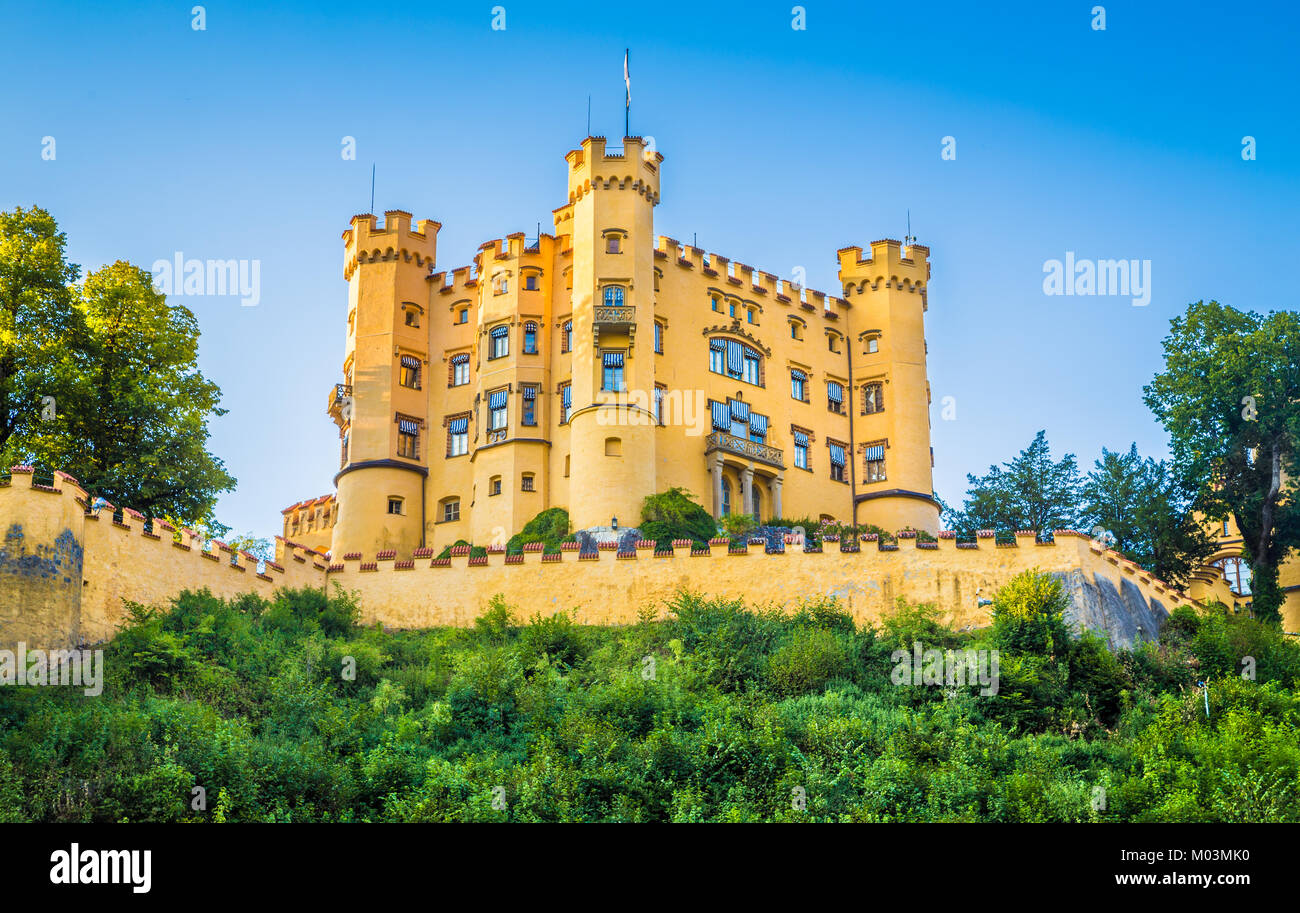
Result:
[[381, 407], [891, 393], [612, 196]]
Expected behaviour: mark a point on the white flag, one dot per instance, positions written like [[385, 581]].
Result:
[[627, 80]]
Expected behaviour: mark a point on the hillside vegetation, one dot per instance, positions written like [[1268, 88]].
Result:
[[722, 712]]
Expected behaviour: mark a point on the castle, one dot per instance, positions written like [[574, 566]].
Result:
[[594, 366], [586, 370]]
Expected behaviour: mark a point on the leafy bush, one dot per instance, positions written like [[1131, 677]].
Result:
[[675, 514]]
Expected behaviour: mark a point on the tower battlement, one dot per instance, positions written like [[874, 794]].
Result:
[[366, 242], [593, 167], [892, 263]]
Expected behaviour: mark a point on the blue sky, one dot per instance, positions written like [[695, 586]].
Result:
[[780, 147]]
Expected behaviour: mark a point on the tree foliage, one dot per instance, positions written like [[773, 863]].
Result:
[[1029, 492], [1229, 396], [287, 710], [130, 407], [675, 514]]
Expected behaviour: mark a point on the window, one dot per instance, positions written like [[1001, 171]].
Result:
[[716, 304], [796, 329], [458, 436], [873, 344], [499, 345], [1225, 528], [458, 376], [530, 282], [833, 342], [1237, 572], [566, 402], [735, 359], [613, 244], [873, 398], [660, 392], [395, 506], [528, 415], [613, 296], [731, 308], [494, 486], [410, 372], [530, 338], [412, 316], [343, 460], [500, 284], [613, 446], [612, 380], [798, 385], [408, 438], [801, 449], [566, 339], [726, 498], [873, 456], [450, 510], [757, 506], [462, 316], [837, 460], [757, 428], [835, 396], [526, 482], [498, 415], [659, 338], [751, 315]]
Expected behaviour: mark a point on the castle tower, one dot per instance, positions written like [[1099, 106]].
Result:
[[612, 196], [380, 407], [893, 462]]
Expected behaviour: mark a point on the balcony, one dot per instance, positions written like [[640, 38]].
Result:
[[616, 318], [342, 393], [741, 447]]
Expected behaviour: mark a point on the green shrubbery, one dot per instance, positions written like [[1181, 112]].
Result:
[[288, 710]]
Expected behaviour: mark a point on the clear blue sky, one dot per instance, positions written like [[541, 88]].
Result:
[[780, 147]]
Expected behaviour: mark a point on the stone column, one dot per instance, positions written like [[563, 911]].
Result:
[[715, 469], [776, 495], [747, 488]]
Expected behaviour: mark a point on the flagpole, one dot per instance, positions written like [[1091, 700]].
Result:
[[627, 105]]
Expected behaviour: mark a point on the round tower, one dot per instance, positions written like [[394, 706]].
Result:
[[612, 195], [381, 407], [893, 461]]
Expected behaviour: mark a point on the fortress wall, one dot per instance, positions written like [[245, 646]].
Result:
[[66, 574], [1109, 593]]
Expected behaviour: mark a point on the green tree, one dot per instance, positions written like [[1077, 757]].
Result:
[[675, 514], [1030, 492], [140, 407], [550, 527], [1229, 397], [37, 322], [1147, 513]]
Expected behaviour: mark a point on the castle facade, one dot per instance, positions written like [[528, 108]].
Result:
[[588, 368]]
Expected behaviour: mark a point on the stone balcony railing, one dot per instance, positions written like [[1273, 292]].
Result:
[[614, 316], [729, 443]]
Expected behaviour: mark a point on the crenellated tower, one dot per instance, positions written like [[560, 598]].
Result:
[[893, 462], [381, 408], [610, 215]]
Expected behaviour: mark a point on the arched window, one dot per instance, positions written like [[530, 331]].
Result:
[[613, 296], [500, 344], [1237, 572], [530, 338]]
